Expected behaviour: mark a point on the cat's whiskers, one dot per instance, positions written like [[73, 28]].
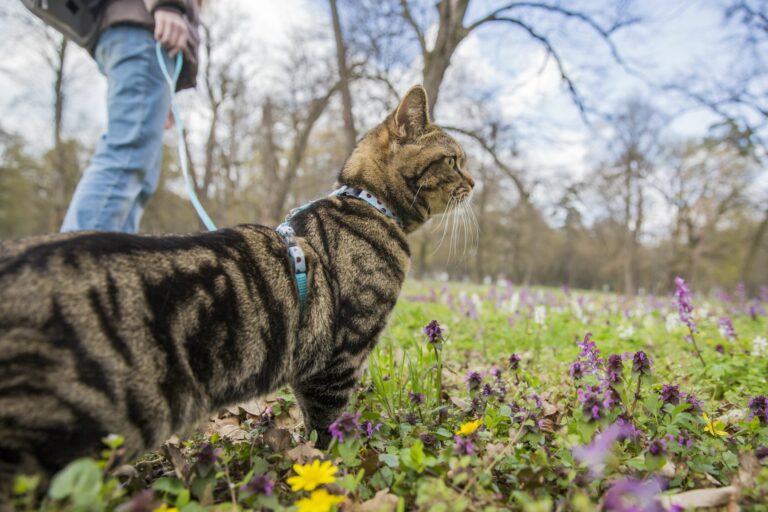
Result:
[[417, 195], [443, 222]]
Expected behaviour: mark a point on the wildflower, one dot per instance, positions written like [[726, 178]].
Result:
[[756, 310], [428, 439], [684, 305], [165, 508], [615, 368], [716, 428], [594, 454], [463, 446], [344, 425], [640, 363], [371, 429], [487, 390], [469, 428], [589, 348], [626, 332], [411, 418], [758, 408], [759, 346], [309, 476], [610, 398], [208, 454], [473, 380], [720, 349], [761, 452], [258, 484], [539, 315], [633, 495], [685, 441], [657, 447], [319, 501], [416, 398], [671, 322], [576, 371], [670, 394], [694, 402], [496, 373], [434, 332], [591, 405], [726, 328], [514, 361]]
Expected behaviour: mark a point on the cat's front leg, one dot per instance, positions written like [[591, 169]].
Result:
[[323, 396]]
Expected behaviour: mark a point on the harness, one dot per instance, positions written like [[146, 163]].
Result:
[[298, 260]]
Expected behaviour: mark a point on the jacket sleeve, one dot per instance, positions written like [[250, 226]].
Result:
[[153, 5]]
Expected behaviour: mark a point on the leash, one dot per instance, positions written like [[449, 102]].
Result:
[[171, 81]]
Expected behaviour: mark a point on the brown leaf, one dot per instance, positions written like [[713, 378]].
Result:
[[227, 427], [370, 462], [383, 501], [289, 419], [304, 453], [278, 439], [172, 452], [701, 498]]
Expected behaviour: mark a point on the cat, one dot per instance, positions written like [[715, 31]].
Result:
[[147, 335]]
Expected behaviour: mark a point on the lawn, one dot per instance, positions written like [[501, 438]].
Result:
[[548, 399]]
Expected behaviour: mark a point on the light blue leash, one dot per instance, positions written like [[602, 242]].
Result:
[[180, 133]]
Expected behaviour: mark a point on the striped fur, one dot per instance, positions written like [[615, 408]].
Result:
[[146, 336]]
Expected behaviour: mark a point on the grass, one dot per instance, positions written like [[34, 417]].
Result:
[[641, 437]]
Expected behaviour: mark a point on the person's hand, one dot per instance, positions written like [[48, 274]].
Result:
[[170, 122], [171, 30]]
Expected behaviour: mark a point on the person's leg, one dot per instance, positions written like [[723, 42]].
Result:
[[126, 158], [148, 188]]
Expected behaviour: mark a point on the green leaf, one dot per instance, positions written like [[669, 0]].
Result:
[[390, 460], [81, 481]]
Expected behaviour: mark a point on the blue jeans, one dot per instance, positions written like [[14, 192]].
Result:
[[124, 170]]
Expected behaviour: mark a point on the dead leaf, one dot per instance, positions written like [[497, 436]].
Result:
[[382, 501], [548, 409], [172, 452], [701, 498], [278, 439], [370, 462], [749, 467], [290, 418], [227, 427], [304, 453]]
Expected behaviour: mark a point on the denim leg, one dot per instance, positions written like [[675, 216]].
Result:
[[125, 168]]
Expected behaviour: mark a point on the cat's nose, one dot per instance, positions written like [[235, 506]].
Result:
[[469, 180]]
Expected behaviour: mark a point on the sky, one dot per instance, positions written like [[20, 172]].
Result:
[[677, 38]]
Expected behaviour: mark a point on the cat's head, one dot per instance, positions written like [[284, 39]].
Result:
[[412, 165]]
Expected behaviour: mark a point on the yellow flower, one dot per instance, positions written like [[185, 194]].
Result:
[[309, 476], [469, 428], [716, 428], [319, 501], [165, 508]]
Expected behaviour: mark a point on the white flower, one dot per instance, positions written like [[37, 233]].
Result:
[[539, 315], [625, 332], [759, 346], [577, 311], [672, 322]]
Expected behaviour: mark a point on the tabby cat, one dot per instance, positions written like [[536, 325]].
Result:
[[145, 336]]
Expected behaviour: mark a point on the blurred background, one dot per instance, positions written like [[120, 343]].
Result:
[[615, 144]]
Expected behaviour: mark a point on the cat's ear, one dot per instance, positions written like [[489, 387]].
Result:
[[412, 115]]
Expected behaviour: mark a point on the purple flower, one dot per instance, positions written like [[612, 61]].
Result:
[[589, 348], [371, 429], [473, 380], [758, 408], [428, 439], [411, 418], [633, 496], [591, 405], [576, 371], [346, 424], [416, 398], [719, 349], [685, 441], [670, 394], [640, 363], [463, 445], [258, 484], [684, 304], [487, 390], [756, 310], [726, 328], [594, 454], [610, 398], [496, 373], [208, 454], [615, 368], [434, 332], [696, 404], [657, 447], [761, 452], [514, 361]]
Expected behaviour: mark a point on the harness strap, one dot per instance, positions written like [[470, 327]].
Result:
[[298, 260]]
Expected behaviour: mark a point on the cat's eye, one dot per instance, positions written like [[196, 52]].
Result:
[[450, 162]]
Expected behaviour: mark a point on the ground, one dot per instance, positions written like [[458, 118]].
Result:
[[550, 399]]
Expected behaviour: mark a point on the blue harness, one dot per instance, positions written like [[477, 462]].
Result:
[[298, 259]]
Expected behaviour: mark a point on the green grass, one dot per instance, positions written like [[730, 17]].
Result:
[[532, 418]]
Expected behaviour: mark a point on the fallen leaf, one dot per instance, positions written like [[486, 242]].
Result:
[[701, 498], [227, 427], [172, 452], [304, 453], [278, 439], [382, 501], [290, 418]]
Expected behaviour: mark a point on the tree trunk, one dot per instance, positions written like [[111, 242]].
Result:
[[350, 135], [60, 190], [754, 246]]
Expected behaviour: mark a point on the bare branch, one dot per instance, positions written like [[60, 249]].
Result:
[[415, 26]]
